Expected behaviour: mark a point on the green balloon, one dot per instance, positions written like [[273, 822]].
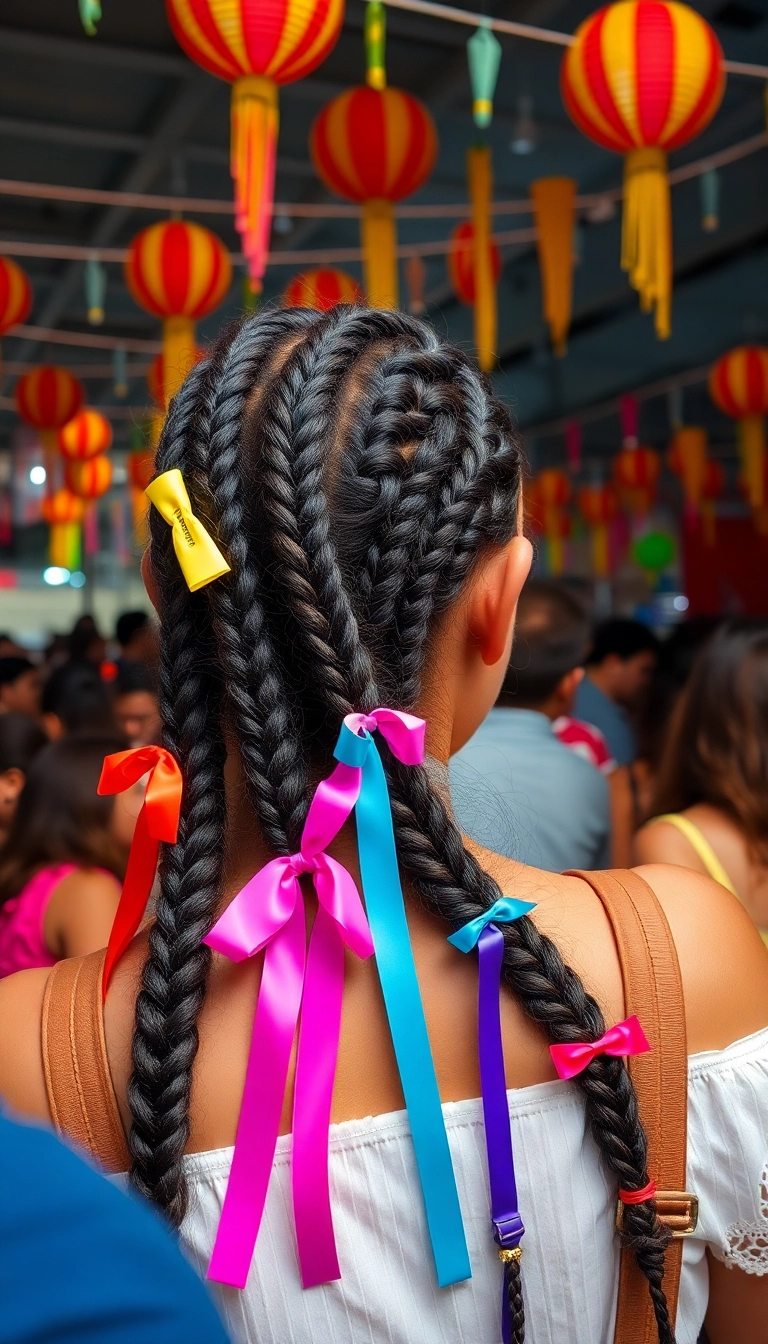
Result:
[[654, 551]]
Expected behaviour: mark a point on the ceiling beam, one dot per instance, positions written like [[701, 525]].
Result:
[[84, 51]]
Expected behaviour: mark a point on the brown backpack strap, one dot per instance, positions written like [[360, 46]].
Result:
[[77, 1078], [653, 992]]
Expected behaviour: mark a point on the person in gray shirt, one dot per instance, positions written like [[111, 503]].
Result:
[[515, 788]]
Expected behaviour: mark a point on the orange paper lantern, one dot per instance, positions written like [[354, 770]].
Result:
[[15, 295], [89, 480], [322, 289], [643, 77], [636, 471], [375, 146], [738, 385], [599, 505], [461, 261], [256, 47], [180, 272], [84, 436]]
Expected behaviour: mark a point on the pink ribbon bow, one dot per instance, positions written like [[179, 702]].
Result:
[[626, 1038], [269, 913], [404, 733]]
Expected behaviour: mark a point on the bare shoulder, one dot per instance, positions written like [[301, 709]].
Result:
[[661, 842], [22, 1079], [723, 960]]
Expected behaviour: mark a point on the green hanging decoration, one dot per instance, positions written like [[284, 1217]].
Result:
[[90, 14], [375, 36], [95, 290], [709, 186], [250, 297], [484, 57]]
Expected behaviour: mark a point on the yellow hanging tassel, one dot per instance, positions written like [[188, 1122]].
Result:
[[178, 353], [751, 436], [600, 556], [646, 233], [379, 252], [553, 206], [480, 175], [255, 124], [64, 546]]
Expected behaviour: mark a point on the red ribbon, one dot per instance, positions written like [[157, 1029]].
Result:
[[158, 820], [626, 1038]]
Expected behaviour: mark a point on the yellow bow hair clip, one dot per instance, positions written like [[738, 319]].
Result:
[[200, 558]]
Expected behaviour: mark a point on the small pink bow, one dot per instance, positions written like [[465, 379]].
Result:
[[404, 733], [626, 1038], [269, 913]]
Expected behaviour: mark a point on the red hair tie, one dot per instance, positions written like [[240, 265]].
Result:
[[638, 1196]]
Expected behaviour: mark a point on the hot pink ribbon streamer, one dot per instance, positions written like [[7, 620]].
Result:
[[626, 1038], [268, 913]]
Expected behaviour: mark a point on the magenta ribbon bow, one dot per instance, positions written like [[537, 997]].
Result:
[[269, 914], [626, 1038]]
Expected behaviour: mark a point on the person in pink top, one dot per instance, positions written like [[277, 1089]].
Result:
[[61, 868]]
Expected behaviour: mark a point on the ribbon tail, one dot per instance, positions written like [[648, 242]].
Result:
[[402, 998], [139, 876], [274, 1028], [315, 1070]]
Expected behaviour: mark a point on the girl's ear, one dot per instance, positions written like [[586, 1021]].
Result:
[[494, 599], [153, 592]]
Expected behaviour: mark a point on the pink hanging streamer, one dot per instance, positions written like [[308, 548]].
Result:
[[626, 1038], [573, 445], [268, 914]]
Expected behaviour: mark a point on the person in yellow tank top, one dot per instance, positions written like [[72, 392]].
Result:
[[711, 799]]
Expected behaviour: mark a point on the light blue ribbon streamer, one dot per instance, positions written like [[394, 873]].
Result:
[[504, 911], [402, 999]]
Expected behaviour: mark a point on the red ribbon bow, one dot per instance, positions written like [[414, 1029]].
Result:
[[158, 820], [626, 1038]]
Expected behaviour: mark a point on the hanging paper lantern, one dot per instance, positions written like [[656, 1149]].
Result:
[[155, 377], [599, 505], [643, 77], [687, 459], [463, 271], [48, 397], [484, 58], [552, 492], [738, 385], [554, 201], [256, 47], [84, 436], [89, 480], [15, 295], [64, 513], [461, 261], [375, 147], [322, 289], [636, 472], [180, 272], [712, 489]]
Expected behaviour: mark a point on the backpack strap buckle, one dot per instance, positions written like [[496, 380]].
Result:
[[678, 1210]]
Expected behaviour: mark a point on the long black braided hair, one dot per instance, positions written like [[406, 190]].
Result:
[[354, 469]]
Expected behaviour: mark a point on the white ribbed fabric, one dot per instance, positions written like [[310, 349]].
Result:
[[570, 1264]]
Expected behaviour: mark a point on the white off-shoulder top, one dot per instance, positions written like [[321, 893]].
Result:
[[387, 1293]]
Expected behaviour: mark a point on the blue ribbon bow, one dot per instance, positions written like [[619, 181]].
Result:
[[402, 999], [504, 911]]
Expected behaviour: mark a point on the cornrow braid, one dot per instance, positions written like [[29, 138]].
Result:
[[354, 496], [165, 1039]]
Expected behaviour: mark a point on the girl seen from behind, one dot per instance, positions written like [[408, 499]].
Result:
[[364, 486], [66, 852], [711, 802]]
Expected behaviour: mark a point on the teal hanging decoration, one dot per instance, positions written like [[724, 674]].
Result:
[[95, 290], [120, 372], [484, 57], [90, 14], [709, 186]]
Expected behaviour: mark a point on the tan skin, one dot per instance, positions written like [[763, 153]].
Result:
[[726, 998], [660, 842]]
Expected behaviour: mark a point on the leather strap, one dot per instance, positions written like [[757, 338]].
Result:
[[77, 1078], [653, 991]]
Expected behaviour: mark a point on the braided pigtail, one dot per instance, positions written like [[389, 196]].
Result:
[[165, 1037]]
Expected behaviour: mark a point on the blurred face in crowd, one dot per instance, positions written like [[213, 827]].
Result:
[[138, 717], [22, 696], [630, 677], [11, 784]]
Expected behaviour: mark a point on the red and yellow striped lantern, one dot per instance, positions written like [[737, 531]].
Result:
[[48, 397], [463, 271], [180, 272], [15, 295], [256, 47], [550, 493], [636, 472], [643, 77], [89, 480], [84, 436], [599, 505], [64, 513], [738, 385], [322, 289], [375, 146]]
